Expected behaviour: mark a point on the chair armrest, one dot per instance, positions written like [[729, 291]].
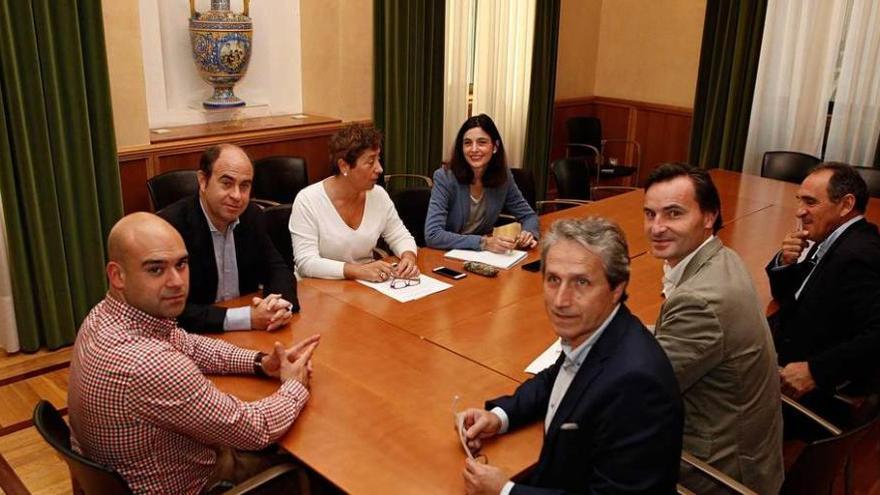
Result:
[[819, 420], [260, 479], [680, 490], [594, 149], [635, 144], [727, 481], [264, 203]]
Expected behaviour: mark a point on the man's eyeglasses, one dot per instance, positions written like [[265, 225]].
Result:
[[402, 283]]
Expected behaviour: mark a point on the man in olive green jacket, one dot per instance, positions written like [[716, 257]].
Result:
[[714, 332]]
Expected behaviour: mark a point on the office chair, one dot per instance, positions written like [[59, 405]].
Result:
[[169, 187], [572, 178], [279, 178], [816, 465], [789, 166], [872, 179], [89, 477], [525, 181], [412, 206], [584, 137], [277, 220]]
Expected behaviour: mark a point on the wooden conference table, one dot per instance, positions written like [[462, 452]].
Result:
[[380, 416]]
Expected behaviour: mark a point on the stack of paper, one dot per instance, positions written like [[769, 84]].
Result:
[[503, 261], [425, 287], [546, 359]]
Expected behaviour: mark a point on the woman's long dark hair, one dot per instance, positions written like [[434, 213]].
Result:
[[496, 172]]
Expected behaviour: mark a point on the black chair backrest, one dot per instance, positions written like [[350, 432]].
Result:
[[277, 218], [279, 178], [790, 166], [820, 462], [872, 178], [572, 178], [170, 186], [525, 181], [412, 206], [585, 130], [90, 476]]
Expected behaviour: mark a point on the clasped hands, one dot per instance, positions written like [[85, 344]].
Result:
[[501, 244], [293, 363], [382, 271], [270, 313], [480, 478]]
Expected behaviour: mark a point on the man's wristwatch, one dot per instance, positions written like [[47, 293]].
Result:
[[258, 365], [483, 241]]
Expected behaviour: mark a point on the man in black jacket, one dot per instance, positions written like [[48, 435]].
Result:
[[828, 324], [230, 252], [610, 405]]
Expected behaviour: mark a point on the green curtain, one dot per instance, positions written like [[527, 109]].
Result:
[[536, 154], [729, 56], [59, 177], [408, 83]]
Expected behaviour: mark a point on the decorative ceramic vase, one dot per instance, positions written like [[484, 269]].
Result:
[[221, 47]]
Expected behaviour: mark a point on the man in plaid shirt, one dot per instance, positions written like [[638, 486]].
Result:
[[138, 396]]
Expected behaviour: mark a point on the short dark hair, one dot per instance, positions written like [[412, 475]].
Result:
[[209, 157], [496, 172], [350, 142], [704, 189], [845, 180]]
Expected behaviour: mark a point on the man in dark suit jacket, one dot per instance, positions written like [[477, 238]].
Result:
[[611, 405], [222, 229], [828, 324]]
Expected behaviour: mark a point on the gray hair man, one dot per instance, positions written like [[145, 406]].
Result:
[[610, 405]]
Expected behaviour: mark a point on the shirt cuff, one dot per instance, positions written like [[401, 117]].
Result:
[[507, 488], [505, 423], [237, 319], [776, 262]]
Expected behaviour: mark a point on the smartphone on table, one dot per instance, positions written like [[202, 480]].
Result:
[[449, 272]]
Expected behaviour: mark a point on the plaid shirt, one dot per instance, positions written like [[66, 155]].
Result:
[[140, 402]]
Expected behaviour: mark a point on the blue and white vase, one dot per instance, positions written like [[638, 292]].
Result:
[[221, 47]]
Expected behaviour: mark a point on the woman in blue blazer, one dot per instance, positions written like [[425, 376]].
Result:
[[470, 192]]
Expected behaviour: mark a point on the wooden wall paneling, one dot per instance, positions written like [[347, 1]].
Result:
[[139, 163], [664, 137], [133, 174]]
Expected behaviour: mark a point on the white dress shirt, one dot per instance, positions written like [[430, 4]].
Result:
[[227, 273], [672, 275]]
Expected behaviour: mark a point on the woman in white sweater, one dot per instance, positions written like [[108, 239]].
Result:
[[335, 223]]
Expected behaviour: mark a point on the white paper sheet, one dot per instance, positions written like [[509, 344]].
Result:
[[503, 261], [546, 359], [425, 287]]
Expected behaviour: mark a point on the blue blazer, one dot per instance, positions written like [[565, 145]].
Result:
[[450, 206], [623, 418]]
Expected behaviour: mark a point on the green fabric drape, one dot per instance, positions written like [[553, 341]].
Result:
[[536, 153], [732, 34], [59, 177], [408, 83]]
